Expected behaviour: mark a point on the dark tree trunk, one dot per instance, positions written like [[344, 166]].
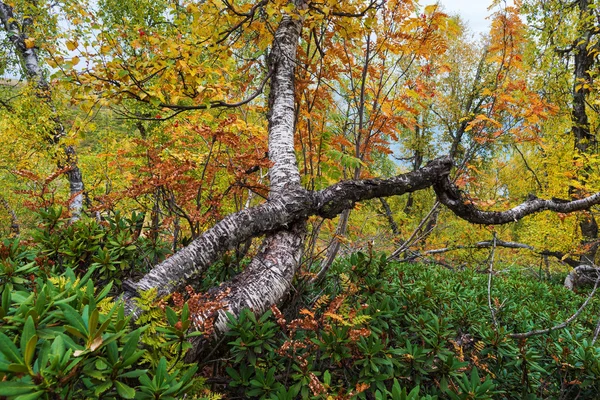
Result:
[[585, 140]]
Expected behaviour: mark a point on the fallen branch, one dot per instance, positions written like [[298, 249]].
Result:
[[562, 325], [499, 243], [453, 198]]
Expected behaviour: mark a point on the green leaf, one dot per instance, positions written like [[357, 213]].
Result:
[[28, 333], [18, 368], [134, 374], [127, 392], [103, 387], [31, 396], [15, 388], [93, 322], [172, 316], [131, 345], [161, 371], [30, 349], [10, 351], [74, 319]]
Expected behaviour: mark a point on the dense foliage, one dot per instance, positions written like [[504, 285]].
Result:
[[145, 146], [64, 335], [380, 328], [373, 329]]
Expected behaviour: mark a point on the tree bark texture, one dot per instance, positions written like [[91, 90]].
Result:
[[279, 213], [585, 140]]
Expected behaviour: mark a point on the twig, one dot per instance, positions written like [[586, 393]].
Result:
[[489, 288], [499, 243], [564, 324], [596, 332], [408, 242]]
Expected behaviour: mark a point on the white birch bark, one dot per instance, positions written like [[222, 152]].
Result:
[[283, 216]]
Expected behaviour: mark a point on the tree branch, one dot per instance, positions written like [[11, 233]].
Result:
[[453, 198], [559, 326], [278, 213]]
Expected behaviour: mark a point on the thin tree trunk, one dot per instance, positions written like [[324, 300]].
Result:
[[334, 245], [585, 141], [31, 65], [14, 222], [390, 216]]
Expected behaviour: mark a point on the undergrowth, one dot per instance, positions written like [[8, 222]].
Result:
[[384, 330], [371, 330]]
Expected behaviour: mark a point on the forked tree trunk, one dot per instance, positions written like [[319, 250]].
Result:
[[282, 218]]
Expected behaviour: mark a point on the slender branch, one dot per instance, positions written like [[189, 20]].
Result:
[[561, 325], [14, 221], [220, 103], [371, 5], [499, 243], [489, 285], [596, 332], [409, 241], [540, 186]]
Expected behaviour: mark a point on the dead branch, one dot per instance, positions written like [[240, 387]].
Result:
[[561, 325]]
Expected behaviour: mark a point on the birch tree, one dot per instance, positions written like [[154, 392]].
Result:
[[16, 27], [282, 217]]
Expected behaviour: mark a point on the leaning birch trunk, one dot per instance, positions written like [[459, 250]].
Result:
[[31, 65], [269, 276]]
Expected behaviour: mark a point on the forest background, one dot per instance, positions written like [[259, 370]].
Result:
[[130, 129]]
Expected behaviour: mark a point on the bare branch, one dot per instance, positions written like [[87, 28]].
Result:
[[562, 257], [562, 325], [372, 4], [220, 103], [453, 198], [489, 287]]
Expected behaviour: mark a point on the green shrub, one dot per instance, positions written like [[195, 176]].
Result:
[[63, 337], [390, 331]]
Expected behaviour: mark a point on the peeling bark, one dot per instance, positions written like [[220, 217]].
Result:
[[279, 213], [449, 195], [284, 171], [282, 218], [266, 281]]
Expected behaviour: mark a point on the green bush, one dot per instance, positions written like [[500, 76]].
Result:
[[62, 337], [371, 330], [393, 331], [114, 248]]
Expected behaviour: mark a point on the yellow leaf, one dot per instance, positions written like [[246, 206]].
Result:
[[431, 9], [29, 43], [75, 60], [71, 45]]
